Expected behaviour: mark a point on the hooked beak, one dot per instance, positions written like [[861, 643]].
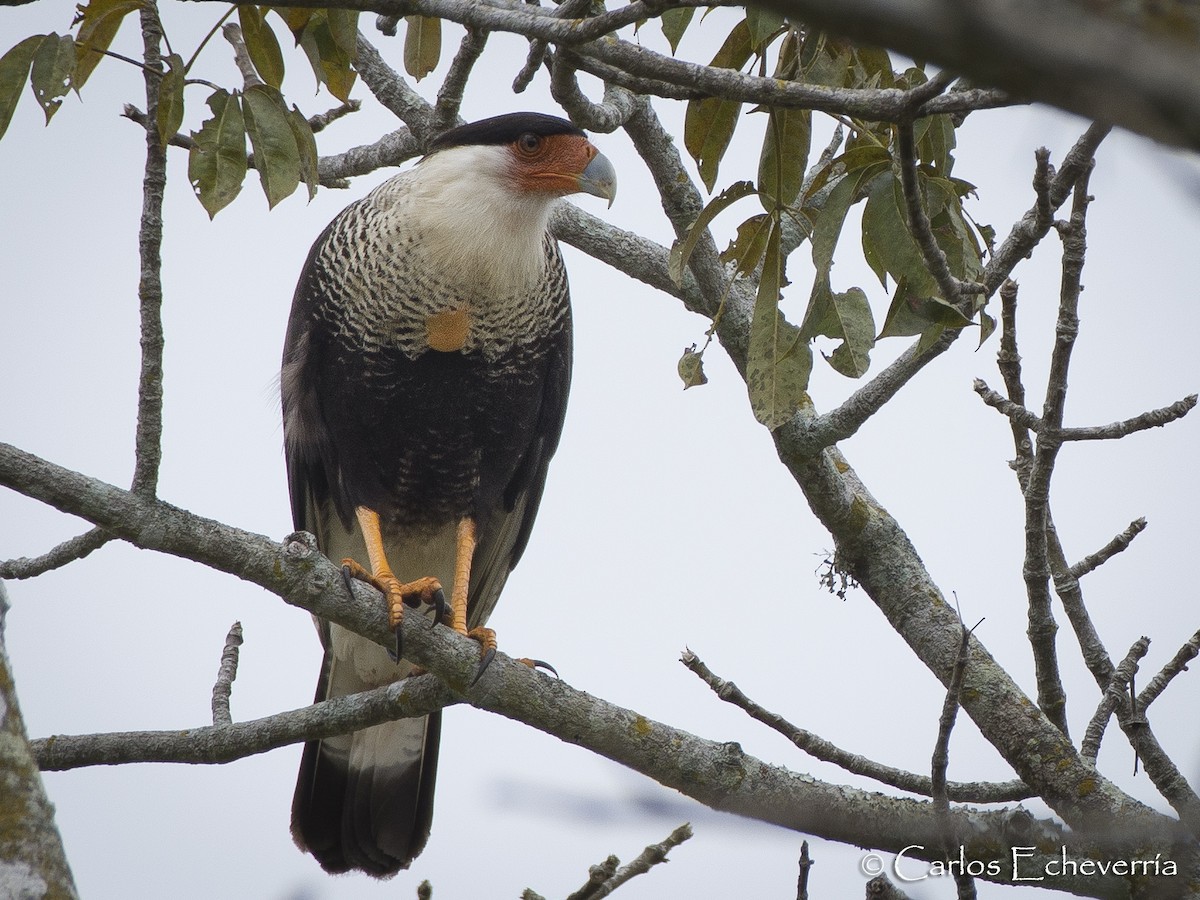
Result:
[[599, 179]]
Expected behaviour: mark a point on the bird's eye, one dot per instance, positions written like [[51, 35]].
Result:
[[529, 143]]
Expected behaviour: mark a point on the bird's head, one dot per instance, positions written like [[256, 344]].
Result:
[[533, 155]]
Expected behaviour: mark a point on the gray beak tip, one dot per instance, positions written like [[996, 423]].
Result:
[[599, 179]]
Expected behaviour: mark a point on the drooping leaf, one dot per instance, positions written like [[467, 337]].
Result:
[[856, 327], [674, 23], [873, 67], [748, 247], [709, 123], [887, 242], [276, 157], [828, 220], [784, 158], [98, 24], [422, 45], [762, 24], [170, 98], [217, 162], [328, 39], [681, 251], [261, 44], [14, 70], [691, 368], [987, 327], [50, 76], [935, 144], [296, 18], [778, 360], [306, 147]]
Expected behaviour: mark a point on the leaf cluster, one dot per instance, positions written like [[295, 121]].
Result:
[[814, 204]]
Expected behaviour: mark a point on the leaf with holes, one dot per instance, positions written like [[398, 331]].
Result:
[[14, 71], [747, 248], [681, 250], [261, 44], [275, 155], [856, 327], [50, 76], [98, 25], [778, 360], [691, 368], [217, 162]]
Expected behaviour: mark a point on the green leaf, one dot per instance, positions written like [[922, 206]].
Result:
[[987, 327], [856, 327], [170, 98], [778, 361], [14, 70], [98, 24], [306, 147], [674, 23], [936, 141], [913, 313], [328, 40], [691, 368], [874, 67], [261, 44], [51, 74], [422, 45], [681, 251], [784, 158], [217, 162], [828, 220], [708, 124], [751, 242], [762, 23], [275, 154], [887, 243]]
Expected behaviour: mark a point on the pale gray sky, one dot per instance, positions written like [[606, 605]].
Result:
[[667, 522]]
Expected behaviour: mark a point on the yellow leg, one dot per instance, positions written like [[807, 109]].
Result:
[[464, 553], [397, 593]]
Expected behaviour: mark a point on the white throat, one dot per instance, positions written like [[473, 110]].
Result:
[[476, 221]]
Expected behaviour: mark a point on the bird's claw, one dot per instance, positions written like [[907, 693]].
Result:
[[539, 664], [486, 660]]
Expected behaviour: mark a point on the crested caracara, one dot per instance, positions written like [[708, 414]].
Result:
[[424, 382]]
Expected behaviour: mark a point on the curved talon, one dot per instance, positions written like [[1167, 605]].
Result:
[[348, 580], [398, 653], [488, 655], [439, 606], [540, 664]]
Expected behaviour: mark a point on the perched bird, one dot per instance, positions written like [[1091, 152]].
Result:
[[424, 383]]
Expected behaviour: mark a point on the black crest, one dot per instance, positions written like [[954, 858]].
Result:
[[502, 130]]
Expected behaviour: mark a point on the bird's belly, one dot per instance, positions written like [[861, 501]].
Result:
[[427, 441]]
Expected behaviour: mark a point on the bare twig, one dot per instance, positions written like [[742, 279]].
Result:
[[1154, 418], [941, 760], [222, 743], [450, 94], [321, 121], [148, 438], [605, 117], [226, 674], [1114, 695], [970, 792], [653, 855], [1179, 662], [806, 864], [597, 875], [68, 551], [1093, 561], [232, 32], [1020, 416]]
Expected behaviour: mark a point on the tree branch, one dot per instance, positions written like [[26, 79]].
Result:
[[225, 676], [1122, 541], [819, 748]]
